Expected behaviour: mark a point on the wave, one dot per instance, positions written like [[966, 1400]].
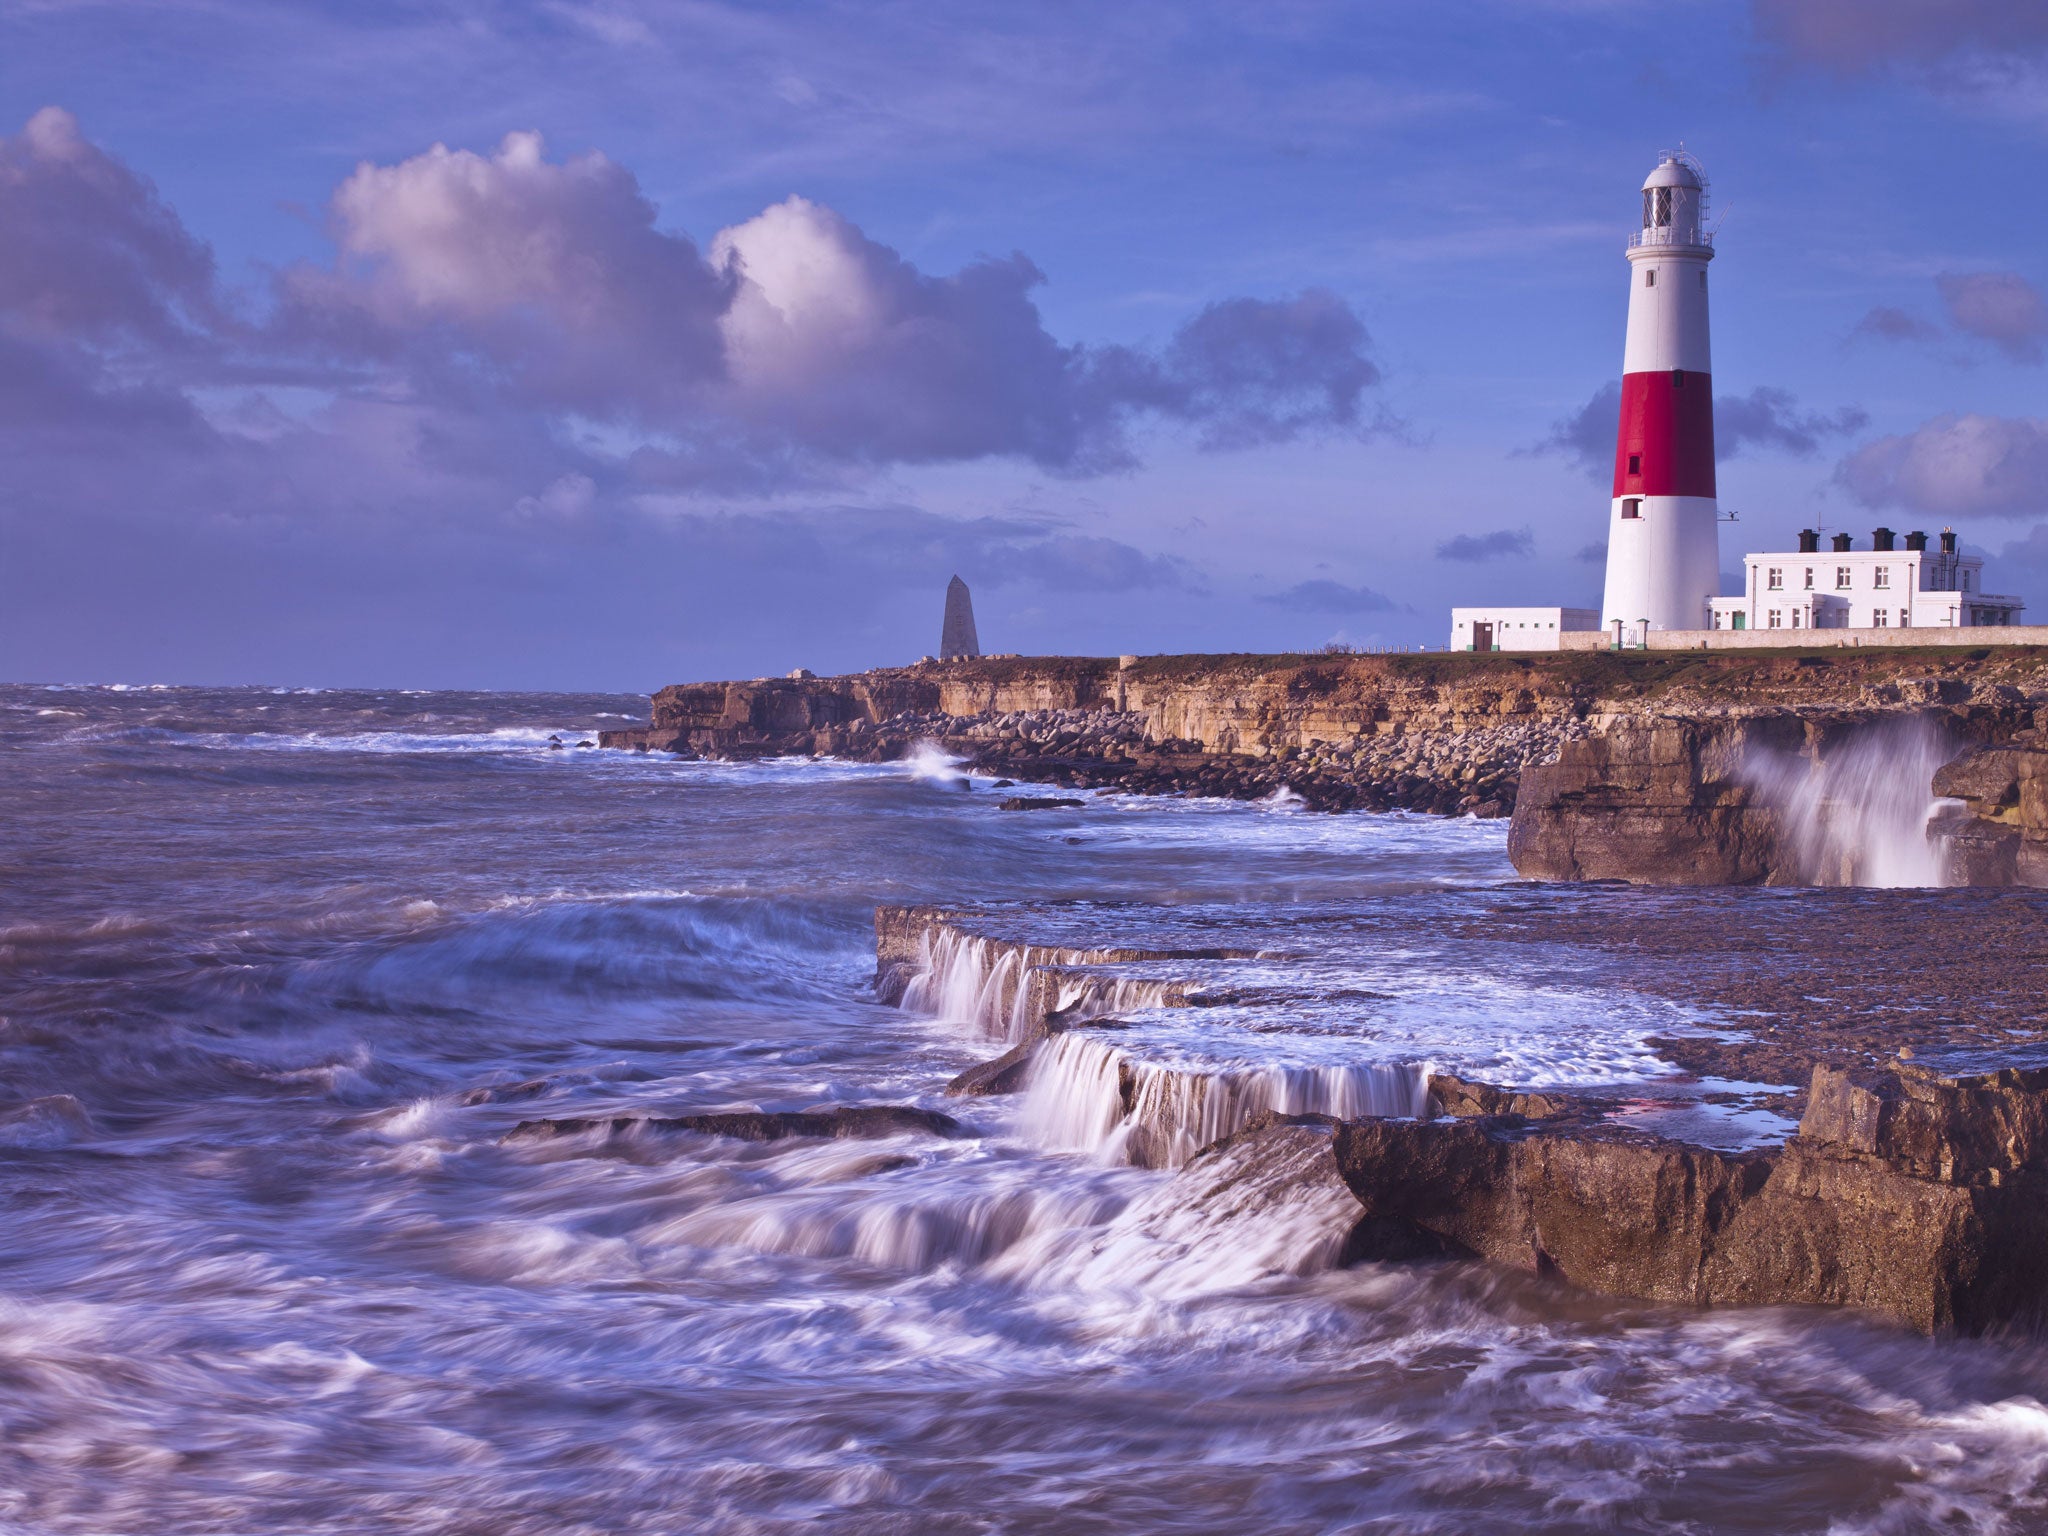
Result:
[[1088, 1095]]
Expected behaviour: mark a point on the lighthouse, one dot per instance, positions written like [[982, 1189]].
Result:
[[1663, 535]]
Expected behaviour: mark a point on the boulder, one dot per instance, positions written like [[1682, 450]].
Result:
[[1008, 1073], [1919, 1192]]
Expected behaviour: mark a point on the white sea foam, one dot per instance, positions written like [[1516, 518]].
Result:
[[1087, 1094], [1002, 989]]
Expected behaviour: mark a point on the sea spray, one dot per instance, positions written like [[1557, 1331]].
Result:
[[1862, 811], [912, 1227], [1259, 1209], [1087, 1095], [1004, 990]]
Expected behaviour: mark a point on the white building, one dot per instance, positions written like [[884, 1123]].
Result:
[[1516, 629], [1884, 587]]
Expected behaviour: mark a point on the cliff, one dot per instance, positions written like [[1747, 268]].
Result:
[[1445, 732]]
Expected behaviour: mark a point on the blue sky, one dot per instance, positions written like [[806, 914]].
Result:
[[713, 338]]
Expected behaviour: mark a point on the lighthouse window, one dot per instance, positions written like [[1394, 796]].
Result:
[[1663, 207], [1632, 507], [1678, 378], [1635, 463], [1649, 277]]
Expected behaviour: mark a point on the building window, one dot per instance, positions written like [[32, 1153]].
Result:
[[1775, 619], [1635, 463], [1905, 618], [1966, 581], [1632, 507], [1795, 618], [1776, 581], [1880, 618], [1881, 578], [1841, 578], [1809, 578]]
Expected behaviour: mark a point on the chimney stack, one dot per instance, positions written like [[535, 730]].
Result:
[[1843, 543], [1948, 541], [1881, 540], [1916, 540]]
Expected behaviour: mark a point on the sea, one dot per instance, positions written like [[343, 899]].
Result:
[[281, 969]]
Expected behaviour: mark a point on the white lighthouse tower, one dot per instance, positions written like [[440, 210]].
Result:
[[1663, 534]]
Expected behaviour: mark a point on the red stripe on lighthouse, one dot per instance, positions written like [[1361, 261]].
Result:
[[1666, 444]]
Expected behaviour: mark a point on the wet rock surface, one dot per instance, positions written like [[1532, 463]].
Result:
[[1844, 978]]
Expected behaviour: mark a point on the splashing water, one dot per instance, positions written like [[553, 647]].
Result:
[[278, 971], [1086, 1095], [929, 760], [1863, 813], [1002, 990]]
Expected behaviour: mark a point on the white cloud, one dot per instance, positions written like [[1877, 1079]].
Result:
[[1955, 466]]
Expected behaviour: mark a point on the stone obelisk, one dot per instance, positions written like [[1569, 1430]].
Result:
[[958, 639]]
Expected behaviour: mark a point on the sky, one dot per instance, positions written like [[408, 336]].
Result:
[[611, 343]]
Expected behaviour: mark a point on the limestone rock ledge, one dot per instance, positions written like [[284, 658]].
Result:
[[1911, 1192], [1689, 801], [1664, 803], [2003, 838], [1441, 732]]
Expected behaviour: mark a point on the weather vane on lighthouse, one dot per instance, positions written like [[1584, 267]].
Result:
[[1663, 540]]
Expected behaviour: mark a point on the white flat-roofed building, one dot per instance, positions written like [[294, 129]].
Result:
[[1516, 629], [1889, 586]]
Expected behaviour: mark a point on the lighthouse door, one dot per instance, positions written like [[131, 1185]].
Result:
[[1482, 637]]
